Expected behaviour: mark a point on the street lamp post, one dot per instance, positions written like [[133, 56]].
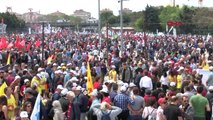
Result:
[[121, 24], [42, 54], [99, 22]]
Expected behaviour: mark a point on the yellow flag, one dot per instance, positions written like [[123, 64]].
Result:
[[89, 80], [49, 59], [4, 85], [8, 59]]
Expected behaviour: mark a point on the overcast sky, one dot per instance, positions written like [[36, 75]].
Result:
[[68, 6]]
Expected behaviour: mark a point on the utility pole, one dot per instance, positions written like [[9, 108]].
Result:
[[173, 3], [99, 22], [121, 24], [107, 37], [43, 44]]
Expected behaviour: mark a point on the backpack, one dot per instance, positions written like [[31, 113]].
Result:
[[105, 116], [150, 116]]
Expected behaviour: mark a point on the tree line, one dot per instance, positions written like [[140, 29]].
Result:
[[195, 20]]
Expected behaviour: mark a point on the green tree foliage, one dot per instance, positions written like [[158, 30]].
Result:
[[169, 13], [203, 19], [151, 19], [107, 16], [12, 21], [139, 23], [186, 16]]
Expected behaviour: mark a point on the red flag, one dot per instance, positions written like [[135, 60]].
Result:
[[3, 43], [22, 44], [10, 45], [37, 43], [28, 46], [17, 42]]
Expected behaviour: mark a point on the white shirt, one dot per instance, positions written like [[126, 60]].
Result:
[[159, 112], [146, 82], [164, 80]]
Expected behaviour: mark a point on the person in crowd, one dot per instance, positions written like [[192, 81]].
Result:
[[200, 105], [150, 110], [58, 113], [135, 110], [165, 82], [126, 73], [209, 82], [106, 111], [157, 91], [209, 96], [172, 111], [83, 103], [121, 100], [162, 104], [73, 112], [114, 91], [3, 108], [186, 108], [64, 100], [113, 73], [28, 107], [57, 93], [24, 115], [11, 102], [145, 83], [148, 96]]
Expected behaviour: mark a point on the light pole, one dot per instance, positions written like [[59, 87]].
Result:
[[121, 24], [99, 22]]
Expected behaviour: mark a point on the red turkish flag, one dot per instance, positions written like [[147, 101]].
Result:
[[3, 43], [170, 23], [10, 45], [17, 42], [22, 44], [37, 43]]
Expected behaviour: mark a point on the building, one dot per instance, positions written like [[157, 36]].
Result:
[[31, 17], [82, 14]]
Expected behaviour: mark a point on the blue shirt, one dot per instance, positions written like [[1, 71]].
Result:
[[121, 100]]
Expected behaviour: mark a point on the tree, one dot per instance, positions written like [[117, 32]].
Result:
[[138, 23], [186, 16], [105, 17], [203, 20], [151, 19], [169, 13], [12, 21]]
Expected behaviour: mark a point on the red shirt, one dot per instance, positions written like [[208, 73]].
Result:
[[106, 99], [146, 97], [69, 111], [96, 85]]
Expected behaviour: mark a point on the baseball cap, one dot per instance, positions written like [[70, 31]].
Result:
[[64, 91], [26, 80], [161, 100], [123, 89], [23, 114], [210, 88], [132, 85], [60, 87]]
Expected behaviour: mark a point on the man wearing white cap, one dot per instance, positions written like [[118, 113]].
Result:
[[56, 95], [82, 101], [121, 100], [64, 100]]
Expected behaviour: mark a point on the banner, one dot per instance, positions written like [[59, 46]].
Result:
[[36, 110]]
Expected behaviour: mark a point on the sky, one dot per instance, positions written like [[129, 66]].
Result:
[[69, 6]]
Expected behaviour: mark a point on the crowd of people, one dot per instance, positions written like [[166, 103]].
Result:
[[149, 77]]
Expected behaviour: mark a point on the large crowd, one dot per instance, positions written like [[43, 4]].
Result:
[[149, 77]]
